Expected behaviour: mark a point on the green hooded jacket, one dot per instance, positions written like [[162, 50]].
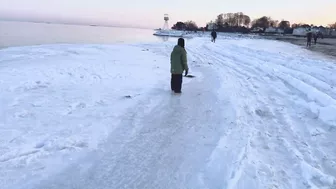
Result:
[[178, 60]]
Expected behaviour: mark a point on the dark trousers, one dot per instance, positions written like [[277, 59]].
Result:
[[213, 39], [176, 82], [309, 42]]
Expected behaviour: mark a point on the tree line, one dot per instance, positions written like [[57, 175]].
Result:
[[239, 22], [333, 25], [188, 25], [238, 19]]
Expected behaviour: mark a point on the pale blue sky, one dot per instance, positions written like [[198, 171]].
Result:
[[149, 13]]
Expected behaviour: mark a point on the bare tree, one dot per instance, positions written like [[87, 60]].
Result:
[[229, 18], [246, 20], [179, 26], [300, 25], [333, 25], [233, 22], [190, 25], [241, 18], [295, 25], [273, 23], [284, 24], [220, 21], [236, 19], [263, 22]]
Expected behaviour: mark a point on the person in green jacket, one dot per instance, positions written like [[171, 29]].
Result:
[[178, 64]]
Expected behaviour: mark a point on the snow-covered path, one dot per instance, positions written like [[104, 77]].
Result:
[[165, 146], [259, 114], [287, 112]]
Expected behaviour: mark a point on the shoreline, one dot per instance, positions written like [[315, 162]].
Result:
[[326, 46]]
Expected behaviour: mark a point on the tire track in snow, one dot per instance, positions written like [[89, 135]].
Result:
[[302, 82], [261, 64], [291, 77], [237, 136], [294, 144]]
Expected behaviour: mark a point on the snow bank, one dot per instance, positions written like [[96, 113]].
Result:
[[328, 115], [319, 103], [59, 100], [286, 97], [312, 174], [310, 76]]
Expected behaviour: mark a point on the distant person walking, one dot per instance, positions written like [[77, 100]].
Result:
[[320, 34], [309, 38], [315, 36], [214, 36], [178, 64]]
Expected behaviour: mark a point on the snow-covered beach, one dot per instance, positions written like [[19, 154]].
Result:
[[258, 114]]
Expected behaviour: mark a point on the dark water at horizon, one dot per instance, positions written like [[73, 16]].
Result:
[[28, 33]]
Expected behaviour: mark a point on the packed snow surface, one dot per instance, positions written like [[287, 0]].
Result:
[[259, 114]]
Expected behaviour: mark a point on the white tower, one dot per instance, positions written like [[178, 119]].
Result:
[[166, 19]]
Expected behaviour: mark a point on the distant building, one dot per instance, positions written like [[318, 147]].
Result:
[[274, 30], [257, 30], [322, 30], [332, 32], [300, 31]]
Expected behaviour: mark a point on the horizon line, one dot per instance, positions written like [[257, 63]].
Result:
[[76, 23]]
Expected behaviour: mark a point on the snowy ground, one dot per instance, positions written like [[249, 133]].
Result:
[[259, 114]]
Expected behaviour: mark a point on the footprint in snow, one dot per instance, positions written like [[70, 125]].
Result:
[[263, 113], [36, 85], [128, 96], [15, 102], [38, 103], [100, 102], [75, 106], [79, 105], [23, 114], [40, 145]]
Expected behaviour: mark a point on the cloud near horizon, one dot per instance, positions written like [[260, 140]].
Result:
[[149, 13]]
